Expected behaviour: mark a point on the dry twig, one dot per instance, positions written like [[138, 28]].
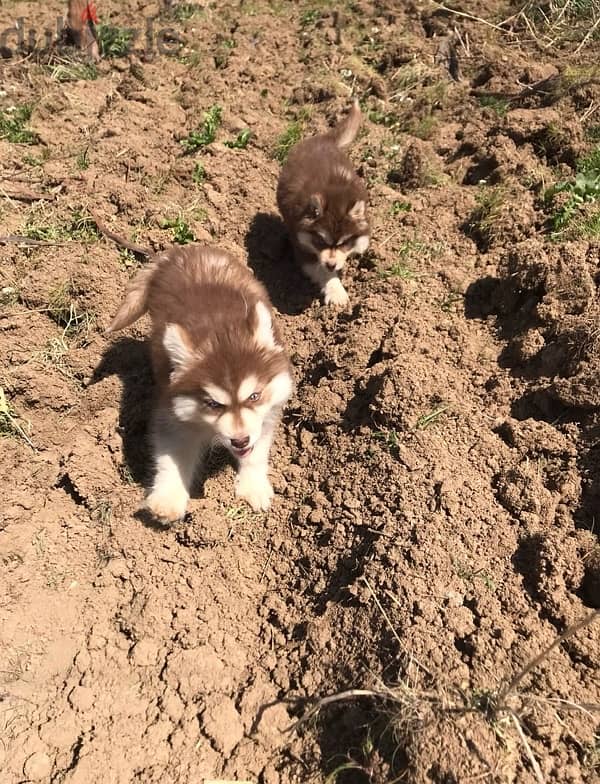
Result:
[[472, 17], [28, 196], [568, 632], [18, 239], [120, 241], [530, 756]]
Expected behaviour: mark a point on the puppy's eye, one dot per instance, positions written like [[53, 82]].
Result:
[[318, 241], [348, 242], [254, 397], [214, 404]]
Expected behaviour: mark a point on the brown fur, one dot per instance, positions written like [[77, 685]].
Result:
[[212, 298], [313, 195], [221, 371]]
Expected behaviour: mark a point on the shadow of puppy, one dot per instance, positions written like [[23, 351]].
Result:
[[271, 257], [129, 359]]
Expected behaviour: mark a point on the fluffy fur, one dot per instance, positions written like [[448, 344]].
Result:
[[221, 371], [323, 203]]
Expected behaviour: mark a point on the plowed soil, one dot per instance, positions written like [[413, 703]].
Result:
[[437, 473]]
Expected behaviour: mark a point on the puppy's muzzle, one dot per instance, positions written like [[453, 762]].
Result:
[[240, 443]]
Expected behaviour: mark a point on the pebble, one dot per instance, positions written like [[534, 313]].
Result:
[[117, 567], [81, 699], [223, 725], [145, 653], [37, 767]]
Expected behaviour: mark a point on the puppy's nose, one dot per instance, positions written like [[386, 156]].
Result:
[[240, 443], [330, 264]]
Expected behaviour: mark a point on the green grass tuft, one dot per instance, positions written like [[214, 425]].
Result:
[[398, 270], [310, 17], [127, 260], [206, 133], [82, 161], [73, 72], [470, 575], [399, 207], [425, 421], [592, 133], [285, 142], [485, 220], [223, 51], [82, 227], [387, 119], [389, 438], [184, 11], [63, 310], [182, 234], [499, 105], [590, 163], [79, 227], [573, 215], [241, 140], [9, 295], [114, 41], [415, 249], [198, 174], [13, 125], [10, 424]]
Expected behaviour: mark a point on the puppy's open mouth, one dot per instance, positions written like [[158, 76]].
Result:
[[242, 452]]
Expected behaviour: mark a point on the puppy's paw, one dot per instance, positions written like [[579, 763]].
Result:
[[335, 293], [255, 489], [167, 505]]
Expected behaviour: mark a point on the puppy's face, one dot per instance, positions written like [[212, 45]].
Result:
[[333, 230], [234, 385]]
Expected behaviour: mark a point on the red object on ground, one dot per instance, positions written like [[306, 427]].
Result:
[[90, 14]]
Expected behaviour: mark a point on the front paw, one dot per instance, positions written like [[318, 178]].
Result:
[[255, 489], [167, 505], [335, 293]]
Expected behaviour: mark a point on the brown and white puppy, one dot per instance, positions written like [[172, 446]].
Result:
[[323, 203], [221, 371]]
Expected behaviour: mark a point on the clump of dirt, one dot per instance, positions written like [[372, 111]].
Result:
[[436, 474]]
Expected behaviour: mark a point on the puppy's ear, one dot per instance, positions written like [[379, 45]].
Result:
[[263, 326], [314, 208], [357, 211], [177, 345]]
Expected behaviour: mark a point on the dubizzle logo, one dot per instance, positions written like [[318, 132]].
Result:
[[90, 14]]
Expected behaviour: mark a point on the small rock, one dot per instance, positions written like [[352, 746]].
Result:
[[460, 621], [215, 197], [350, 502], [38, 766], [81, 699], [223, 725], [83, 661], [118, 568], [306, 438], [172, 705], [61, 732], [145, 653], [272, 725], [455, 599], [316, 517]]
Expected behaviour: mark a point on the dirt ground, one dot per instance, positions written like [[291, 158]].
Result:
[[437, 474]]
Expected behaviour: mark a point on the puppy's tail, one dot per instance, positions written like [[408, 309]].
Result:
[[135, 303], [345, 132]]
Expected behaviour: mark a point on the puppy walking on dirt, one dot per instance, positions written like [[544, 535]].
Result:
[[323, 203], [221, 371]]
